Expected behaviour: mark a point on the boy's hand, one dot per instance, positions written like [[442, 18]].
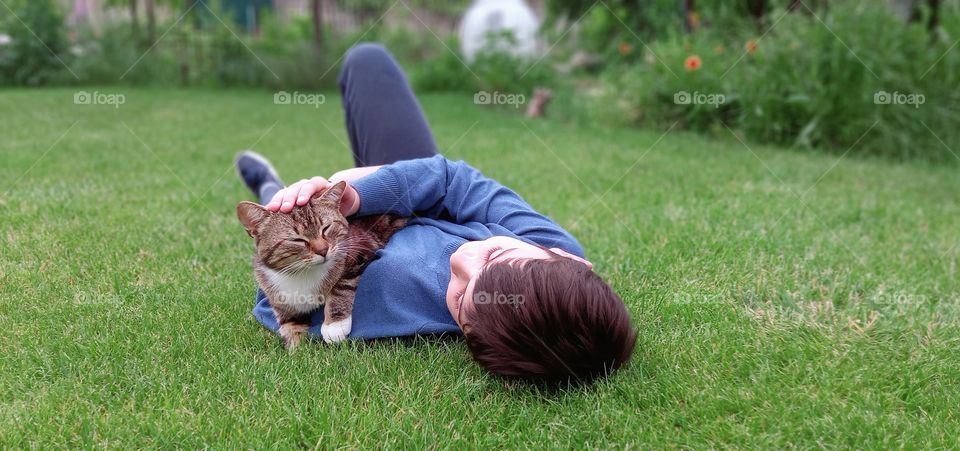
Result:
[[299, 194]]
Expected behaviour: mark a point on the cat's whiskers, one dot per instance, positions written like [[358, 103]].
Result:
[[350, 251], [351, 246], [294, 268]]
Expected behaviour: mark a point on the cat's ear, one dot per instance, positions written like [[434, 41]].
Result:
[[251, 215], [335, 192]]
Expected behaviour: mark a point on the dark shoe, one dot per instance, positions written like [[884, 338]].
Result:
[[256, 172]]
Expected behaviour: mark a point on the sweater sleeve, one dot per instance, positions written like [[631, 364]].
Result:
[[442, 189]]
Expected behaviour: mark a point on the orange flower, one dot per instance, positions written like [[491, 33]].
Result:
[[693, 63], [625, 48], [720, 50], [751, 46]]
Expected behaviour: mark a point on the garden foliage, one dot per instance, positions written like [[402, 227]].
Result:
[[854, 76]]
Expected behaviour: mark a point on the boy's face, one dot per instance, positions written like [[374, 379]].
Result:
[[470, 259]]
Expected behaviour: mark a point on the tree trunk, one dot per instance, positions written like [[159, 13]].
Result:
[[190, 15], [757, 9], [183, 46], [688, 9], [934, 21], [151, 21], [134, 21], [316, 10]]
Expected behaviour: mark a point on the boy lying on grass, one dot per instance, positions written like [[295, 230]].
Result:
[[472, 258]]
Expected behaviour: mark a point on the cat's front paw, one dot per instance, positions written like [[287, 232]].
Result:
[[336, 331], [292, 334]]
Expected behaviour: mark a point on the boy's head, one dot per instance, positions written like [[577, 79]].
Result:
[[537, 314]]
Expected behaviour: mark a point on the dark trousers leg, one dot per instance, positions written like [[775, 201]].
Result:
[[384, 120], [267, 192]]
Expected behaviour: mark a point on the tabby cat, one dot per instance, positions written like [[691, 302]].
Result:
[[313, 257]]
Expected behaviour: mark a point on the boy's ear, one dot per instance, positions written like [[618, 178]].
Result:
[[564, 253], [251, 216]]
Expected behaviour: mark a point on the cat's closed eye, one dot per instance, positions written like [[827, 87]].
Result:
[[298, 241]]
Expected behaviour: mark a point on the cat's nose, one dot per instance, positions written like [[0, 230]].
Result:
[[320, 248]]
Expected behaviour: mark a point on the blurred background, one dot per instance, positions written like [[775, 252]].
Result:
[[797, 73]]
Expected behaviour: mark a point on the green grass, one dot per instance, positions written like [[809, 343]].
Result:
[[764, 320]]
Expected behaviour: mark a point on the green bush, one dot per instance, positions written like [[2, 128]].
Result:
[[113, 57], [492, 71], [498, 71], [807, 83], [445, 72], [283, 57], [600, 26], [814, 84], [653, 91], [199, 50], [294, 61], [38, 45]]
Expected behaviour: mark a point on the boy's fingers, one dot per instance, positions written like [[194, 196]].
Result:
[[274, 203], [304, 194], [320, 183], [311, 187], [290, 196], [297, 194]]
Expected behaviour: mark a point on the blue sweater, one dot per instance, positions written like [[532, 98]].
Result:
[[403, 291]]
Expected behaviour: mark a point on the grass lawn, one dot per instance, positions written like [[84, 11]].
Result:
[[783, 298]]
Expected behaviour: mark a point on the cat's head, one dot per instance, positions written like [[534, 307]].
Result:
[[308, 236]]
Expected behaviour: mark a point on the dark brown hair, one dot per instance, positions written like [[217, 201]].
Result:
[[551, 321]]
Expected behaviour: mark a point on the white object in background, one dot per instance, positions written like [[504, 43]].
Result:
[[497, 16], [5, 39]]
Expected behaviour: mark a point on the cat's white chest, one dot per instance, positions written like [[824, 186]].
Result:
[[300, 291]]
